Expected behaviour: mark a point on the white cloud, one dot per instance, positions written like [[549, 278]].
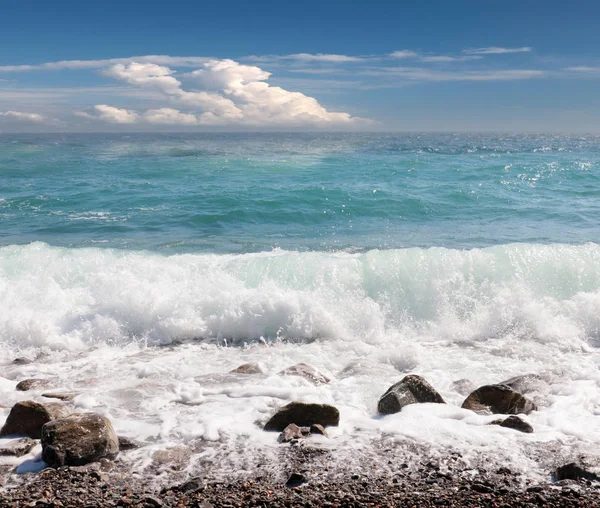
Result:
[[404, 53], [230, 94], [494, 50], [323, 57], [110, 114], [444, 58], [419, 74], [169, 116], [26, 117], [583, 68], [176, 61]]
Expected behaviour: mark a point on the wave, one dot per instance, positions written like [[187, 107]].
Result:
[[64, 298]]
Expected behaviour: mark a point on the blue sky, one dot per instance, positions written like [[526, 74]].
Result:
[[439, 65]]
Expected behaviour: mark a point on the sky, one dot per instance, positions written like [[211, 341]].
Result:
[[486, 65]]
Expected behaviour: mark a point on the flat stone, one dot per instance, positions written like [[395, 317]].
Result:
[[303, 415], [247, 368], [32, 384], [514, 422], [78, 439], [18, 447], [498, 399], [412, 389], [60, 396], [307, 372], [27, 418]]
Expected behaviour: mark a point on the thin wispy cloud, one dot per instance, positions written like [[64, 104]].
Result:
[[176, 61], [419, 74], [495, 50]]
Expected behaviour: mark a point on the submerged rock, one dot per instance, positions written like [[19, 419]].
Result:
[[32, 384], [412, 389], [248, 368], [463, 386], [126, 444], [524, 384], [78, 439], [514, 422], [303, 415], [498, 399], [22, 361], [18, 447], [295, 480], [27, 418], [307, 372]]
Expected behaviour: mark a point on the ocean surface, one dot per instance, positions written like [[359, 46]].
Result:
[[138, 270]]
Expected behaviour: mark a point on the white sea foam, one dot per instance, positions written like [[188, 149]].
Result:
[[364, 319]]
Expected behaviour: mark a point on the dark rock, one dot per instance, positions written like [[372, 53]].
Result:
[[292, 433], [463, 386], [412, 389], [481, 488], [524, 384], [17, 448], [32, 384], [573, 471], [192, 485], [498, 399], [315, 428], [27, 418], [78, 439], [295, 480], [126, 444], [152, 502], [307, 372], [248, 368], [303, 415], [60, 396], [514, 422]]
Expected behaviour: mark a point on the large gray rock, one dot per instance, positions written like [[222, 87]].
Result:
[[27, 418], [307, 372], [412, 389], [78, 439], [303, 415], [498, 399]]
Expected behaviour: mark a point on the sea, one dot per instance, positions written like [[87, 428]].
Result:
[[138, 270]]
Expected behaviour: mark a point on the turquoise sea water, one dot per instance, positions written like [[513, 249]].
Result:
[[255, 192], [138, 270]]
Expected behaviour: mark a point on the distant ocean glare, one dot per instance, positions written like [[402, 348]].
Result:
[[368, 256]]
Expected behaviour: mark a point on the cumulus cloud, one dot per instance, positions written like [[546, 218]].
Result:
[[110, 114], [25, 117], [230, 93], [494, 50]]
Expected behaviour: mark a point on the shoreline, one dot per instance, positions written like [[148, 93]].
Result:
[[303, 479]]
